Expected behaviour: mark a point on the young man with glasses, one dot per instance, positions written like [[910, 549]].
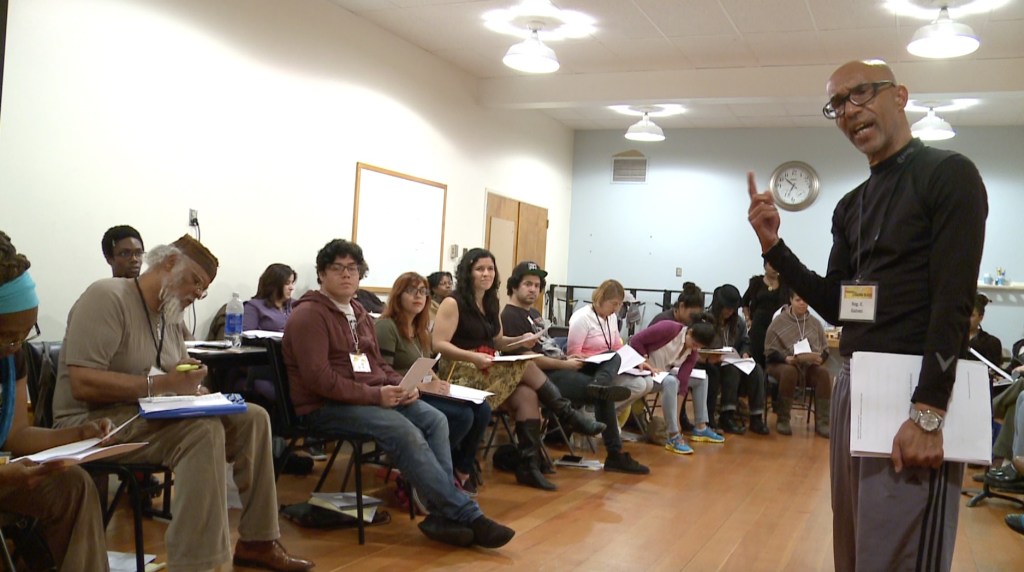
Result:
[[124, 250], [339, 380], [122, 344], [911, 236]]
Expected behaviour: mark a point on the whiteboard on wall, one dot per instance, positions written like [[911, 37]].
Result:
[[398, 220]]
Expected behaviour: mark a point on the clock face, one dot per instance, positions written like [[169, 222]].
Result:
[[794, 185]]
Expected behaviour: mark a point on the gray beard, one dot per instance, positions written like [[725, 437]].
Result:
[[170, 305]]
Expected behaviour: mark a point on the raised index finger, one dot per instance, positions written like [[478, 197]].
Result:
[[751, 185]]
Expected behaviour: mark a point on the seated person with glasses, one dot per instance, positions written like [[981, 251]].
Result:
[[124, 250], [63, 499], [340, 382], [121, 345], [403, 337]]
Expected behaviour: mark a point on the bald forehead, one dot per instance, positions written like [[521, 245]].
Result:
[[855, 73]]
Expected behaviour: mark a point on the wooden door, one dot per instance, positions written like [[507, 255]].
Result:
[[516, 231]]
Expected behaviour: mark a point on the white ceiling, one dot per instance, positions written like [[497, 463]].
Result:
[[732, 63]]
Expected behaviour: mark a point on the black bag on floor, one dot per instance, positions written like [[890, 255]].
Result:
[[310, 516]]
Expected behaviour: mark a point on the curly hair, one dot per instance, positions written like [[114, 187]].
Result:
[[336, 248], [12, 264], [420, 323], [464, 284]]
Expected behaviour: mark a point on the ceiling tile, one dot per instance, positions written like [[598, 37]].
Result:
[[846, 45], [787, 49], [614, 17], [716, 51], [768, 15], [687, 17], [849, 15]]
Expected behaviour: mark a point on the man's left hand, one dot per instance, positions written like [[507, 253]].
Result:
[[915, 447]]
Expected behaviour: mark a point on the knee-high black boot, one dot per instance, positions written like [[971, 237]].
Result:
[[572, 418], [528, 471]]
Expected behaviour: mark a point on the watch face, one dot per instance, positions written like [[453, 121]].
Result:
[[794, 185]]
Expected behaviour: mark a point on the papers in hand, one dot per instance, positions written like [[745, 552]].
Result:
[[630, 359], [729, 356], [528, 340], [191, 405], [1007, 378], [881, 386], [418, 372], [82, 451], [464, 393], [345, 503]]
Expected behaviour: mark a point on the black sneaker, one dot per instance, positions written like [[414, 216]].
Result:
[[607, 392], [757, 425], [728, 424], [441, 529], [490, 534], [620, 462]]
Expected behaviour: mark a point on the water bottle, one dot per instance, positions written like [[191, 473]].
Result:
[[233, 321]]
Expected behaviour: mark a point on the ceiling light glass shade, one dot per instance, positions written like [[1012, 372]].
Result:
[[943, 38], [531, 56], [645, 130], [932, 128]]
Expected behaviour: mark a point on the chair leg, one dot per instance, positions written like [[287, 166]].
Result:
[[135, 495], [280, 461], [327, 469], [357, 453]]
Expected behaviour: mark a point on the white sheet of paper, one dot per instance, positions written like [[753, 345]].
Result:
[[630, 358], [172, 402], [419, 371], [802, 347], [468, 393], [500, 359], [746, 365], [993, 367], [881, 386], [262, 334], [659, 377], [698, 374], [600, 358]]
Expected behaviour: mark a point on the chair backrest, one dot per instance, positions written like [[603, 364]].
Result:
[[558, 331], [43, 358], [284, 419], [216, 331]]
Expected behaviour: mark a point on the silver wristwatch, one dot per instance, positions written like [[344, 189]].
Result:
[[928, 420]]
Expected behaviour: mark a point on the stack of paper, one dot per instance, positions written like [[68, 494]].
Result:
[[881, 386], [179, 406], [82, 451], [585, 464], [262, 334], [729, 356], [345, 503], [467, 393]]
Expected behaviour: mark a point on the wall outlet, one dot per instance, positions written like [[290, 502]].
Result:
[[453, 251], [679, 272], [193, 217]]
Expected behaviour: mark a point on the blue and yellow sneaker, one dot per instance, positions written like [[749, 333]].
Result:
[[706, 435], [678, 445]]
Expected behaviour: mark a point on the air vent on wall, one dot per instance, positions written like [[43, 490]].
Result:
[[629, 167]]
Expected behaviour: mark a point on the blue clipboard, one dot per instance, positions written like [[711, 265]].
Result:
[[237, 405]]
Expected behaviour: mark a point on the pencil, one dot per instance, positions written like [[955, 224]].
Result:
[[450, 374]]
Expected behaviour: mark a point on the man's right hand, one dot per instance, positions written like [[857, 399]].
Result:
[[180, 382], [762, 215]]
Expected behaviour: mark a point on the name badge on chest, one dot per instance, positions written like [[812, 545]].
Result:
[[858, 301], [360, 363]]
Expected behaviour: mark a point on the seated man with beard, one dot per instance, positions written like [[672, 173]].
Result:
[[117, 348]]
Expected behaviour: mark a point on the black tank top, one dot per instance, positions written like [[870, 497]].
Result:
[[474, 329]]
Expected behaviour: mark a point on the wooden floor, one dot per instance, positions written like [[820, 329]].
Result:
[[754, 503]]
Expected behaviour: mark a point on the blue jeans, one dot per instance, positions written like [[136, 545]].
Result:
[[467, 423], [415, 436]]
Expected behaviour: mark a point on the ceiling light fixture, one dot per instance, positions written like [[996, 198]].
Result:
[[645, 130], [654, 110], [943, 38], [531, 56], [932, 128]]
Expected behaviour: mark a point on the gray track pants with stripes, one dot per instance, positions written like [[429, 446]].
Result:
[[885, 521]]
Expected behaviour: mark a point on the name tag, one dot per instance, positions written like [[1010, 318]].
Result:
[[858, 301], [360, 363], [802, 347]]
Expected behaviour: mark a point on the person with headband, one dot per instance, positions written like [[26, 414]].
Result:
[[63, 499]]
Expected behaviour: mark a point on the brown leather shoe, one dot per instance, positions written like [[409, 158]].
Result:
[[269, 555]]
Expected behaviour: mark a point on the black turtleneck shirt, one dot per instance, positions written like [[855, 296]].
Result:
[[916, 227]]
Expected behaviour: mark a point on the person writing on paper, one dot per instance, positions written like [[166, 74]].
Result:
[[63, 499], [667, 345], [269, 309], [121, 345], [731, 331], [901, 278], [578, 381], [340, 381], [468, 334], [796, 351], [403, 338]]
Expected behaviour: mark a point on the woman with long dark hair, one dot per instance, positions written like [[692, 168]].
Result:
[[270, 307], [467, 332], [731, 331], [403, 337]]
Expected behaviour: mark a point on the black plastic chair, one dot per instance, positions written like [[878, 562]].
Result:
[[288, 425]]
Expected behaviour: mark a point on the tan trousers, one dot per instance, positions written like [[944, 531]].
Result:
[[68, 509], [198, 537]]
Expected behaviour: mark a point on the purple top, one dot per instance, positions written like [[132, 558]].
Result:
[[263, 315]]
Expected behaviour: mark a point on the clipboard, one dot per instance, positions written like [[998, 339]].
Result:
[[420, 369]]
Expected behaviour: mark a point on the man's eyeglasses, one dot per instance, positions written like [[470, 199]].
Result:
[[33, 334], [859, 95], [417, 291], [345, 268], [127, 254]]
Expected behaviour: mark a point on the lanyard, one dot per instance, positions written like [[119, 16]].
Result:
[[601, 324], [801, 326], [355, 334], [158, 345]]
